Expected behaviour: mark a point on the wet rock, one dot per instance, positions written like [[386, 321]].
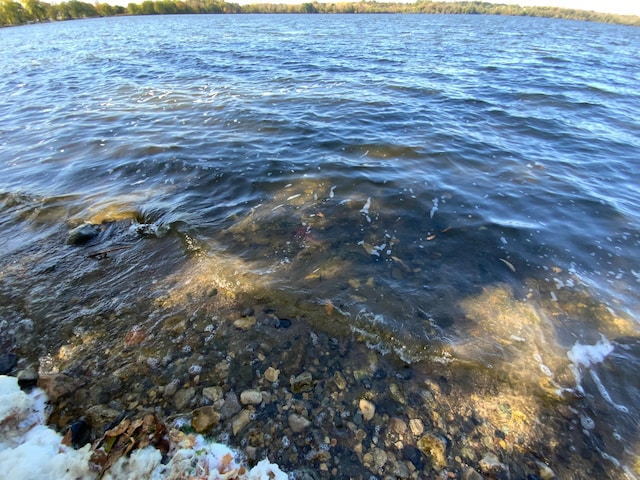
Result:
[[240, 421], [170, 389], [79, 433], [247, 312], [396, 394], [100, 416], [471, 474], [27, 377], [8, 362], [57, 385], [434, 448], [251, 397], [245, 323], [271, 374], [490, 465], [302, 383], [204, 419], [183, 397], [83, 234], [367, 408], [231, 406], [298, 423]]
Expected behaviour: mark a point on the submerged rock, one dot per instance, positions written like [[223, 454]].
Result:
[[82, 234], [302, 383], [298, 423], [204, 419], [251, 397], [435, 449], [367, 408]]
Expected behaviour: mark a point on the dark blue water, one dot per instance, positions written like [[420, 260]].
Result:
[[448, 190]]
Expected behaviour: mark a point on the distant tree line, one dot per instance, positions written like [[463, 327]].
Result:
[[14, 12]]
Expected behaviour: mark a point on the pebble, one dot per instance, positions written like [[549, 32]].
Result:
[[416, 426], [240, 421], [367, 408], [340, 381], [302, 383], [231, 406], [271, 374], [213, 394], [204, 419], [251, 397], [298, 423], [379, 457]]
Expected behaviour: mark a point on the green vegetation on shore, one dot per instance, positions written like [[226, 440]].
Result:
[[33, 11]]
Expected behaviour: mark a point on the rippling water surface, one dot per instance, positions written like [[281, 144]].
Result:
[[457, 191]]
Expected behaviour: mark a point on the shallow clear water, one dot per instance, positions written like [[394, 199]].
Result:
[[451, 189]]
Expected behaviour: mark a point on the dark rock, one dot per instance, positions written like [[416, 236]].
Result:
[[82, 234], [80, 433], [283, 323], [8, 362], [27, 377], [247, 312]]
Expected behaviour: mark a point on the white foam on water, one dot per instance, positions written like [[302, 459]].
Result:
[[31, 451], [588, 355], [585, 357]]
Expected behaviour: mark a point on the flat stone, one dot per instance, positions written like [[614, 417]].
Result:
[[367, 408], [240, 421], [244, 323], [398, 425], [183, 397], [101, 415], [298, 423], [251, 397], [204, 419], [57, 385], [271, 374]]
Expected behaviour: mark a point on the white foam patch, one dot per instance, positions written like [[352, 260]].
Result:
[[588, 355], [31, 451]]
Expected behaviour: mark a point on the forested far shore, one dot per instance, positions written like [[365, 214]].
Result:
[[14, 13]]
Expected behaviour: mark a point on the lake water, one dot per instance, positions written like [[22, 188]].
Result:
[[442, 210]]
